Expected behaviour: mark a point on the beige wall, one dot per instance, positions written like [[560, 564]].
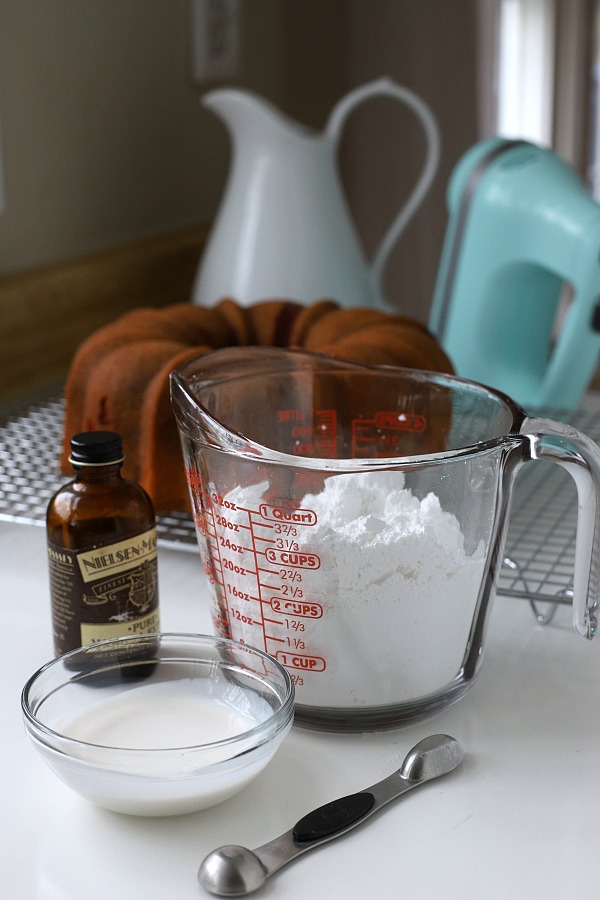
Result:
[[104, 141], [430, 46]]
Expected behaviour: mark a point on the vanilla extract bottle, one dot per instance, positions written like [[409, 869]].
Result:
[[102, 557]]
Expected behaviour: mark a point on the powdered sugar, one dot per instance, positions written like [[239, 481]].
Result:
[[394, 592]]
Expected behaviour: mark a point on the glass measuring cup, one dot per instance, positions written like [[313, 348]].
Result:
[[351, 520]]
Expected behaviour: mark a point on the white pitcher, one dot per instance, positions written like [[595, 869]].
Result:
[[284, 229]]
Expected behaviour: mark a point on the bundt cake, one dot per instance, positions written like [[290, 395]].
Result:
[[119, 377]]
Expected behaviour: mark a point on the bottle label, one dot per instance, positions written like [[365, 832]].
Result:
[[108, 591]]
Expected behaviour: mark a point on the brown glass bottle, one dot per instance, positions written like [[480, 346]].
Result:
[[102, 558]]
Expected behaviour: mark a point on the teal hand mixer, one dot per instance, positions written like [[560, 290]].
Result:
[[517, 300]]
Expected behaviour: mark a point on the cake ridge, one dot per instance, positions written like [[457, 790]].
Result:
[[119, 377]]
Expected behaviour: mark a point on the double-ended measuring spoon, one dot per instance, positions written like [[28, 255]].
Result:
[[233, 871]]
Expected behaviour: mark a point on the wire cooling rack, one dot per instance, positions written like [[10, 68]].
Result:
[[30, 438], [540, 545]]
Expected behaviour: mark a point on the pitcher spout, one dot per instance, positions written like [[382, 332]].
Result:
[[249, 116]]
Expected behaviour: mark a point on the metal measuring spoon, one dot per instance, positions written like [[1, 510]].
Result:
[[233, 871]]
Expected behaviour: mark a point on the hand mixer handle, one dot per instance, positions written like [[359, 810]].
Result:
[[519, 280]]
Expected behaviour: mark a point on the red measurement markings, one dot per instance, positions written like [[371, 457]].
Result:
[[269, 535], [310, 435], [282, 535], [264, 573], [262, 532], [286, 544], [291, 590], [288, 515], [219, 500], [401, 421], [238, 616], [302, 661], [325, 436], [292, 558], [256, 572], [194, 481], [227, 544], [306, 610], [263, 540], [205, 526], [284, 528], [379, 436], [213, 568], [271, 637], [286, 581], [203, 521], [230, 565], [291, 415], [241, 595], [227, 524]]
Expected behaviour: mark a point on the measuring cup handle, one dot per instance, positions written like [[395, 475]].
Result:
[[385, 87], [580, 456]]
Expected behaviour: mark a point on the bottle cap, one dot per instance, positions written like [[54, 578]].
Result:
[[96, 448]]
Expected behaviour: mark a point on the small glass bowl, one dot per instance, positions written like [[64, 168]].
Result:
[[159, 724]]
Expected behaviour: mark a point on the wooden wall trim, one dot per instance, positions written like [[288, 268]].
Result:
[[46, 313]]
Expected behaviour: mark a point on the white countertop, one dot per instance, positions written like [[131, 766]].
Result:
[[519, 819]]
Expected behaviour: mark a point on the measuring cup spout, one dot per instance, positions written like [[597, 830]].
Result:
[[194, 420], [218, 401]]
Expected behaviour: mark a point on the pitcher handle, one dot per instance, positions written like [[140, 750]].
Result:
[[334, 127], [580, 456]]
